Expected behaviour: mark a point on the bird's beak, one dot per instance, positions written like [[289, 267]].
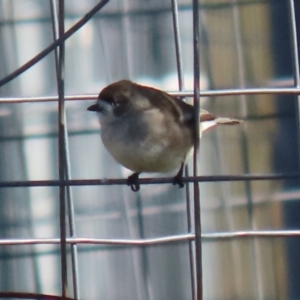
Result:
[[93, 107]]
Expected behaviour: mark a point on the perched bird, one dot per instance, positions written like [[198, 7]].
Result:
[[148, 130]]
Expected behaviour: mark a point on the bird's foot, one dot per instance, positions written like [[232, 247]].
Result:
[[177, 180], [132, 182]]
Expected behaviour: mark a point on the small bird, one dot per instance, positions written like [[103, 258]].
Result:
[[148, 130]]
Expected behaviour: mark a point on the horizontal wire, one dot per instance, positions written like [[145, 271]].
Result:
[[203, 93], [92, 241], [33, 296], [156, 241], [105, 181], [252, 233], [47, 98]]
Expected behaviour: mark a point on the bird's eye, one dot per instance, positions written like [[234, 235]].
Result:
[[116, 104]]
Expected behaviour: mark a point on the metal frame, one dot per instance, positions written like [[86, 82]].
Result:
[[65, 183]]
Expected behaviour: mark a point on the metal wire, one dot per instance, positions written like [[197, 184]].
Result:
[[295, 53], [295, 56], [55, 44], [64, 182], [196, 98], [210, 237], [61, 150], [179, 62], [32, 296], [87, 182], [208, 93], [57, 22]]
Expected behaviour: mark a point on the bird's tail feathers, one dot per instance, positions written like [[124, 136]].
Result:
[[227, 121], [208, 121]]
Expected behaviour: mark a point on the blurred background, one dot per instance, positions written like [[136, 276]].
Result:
[[243, 44]]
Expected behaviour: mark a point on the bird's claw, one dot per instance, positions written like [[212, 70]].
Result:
[[132, 182], [177, 180], [134, 187]]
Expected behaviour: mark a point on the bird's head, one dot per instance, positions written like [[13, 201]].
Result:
[[115, 99]]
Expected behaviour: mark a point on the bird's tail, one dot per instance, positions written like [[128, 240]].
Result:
[[227, 121], [208, 120]]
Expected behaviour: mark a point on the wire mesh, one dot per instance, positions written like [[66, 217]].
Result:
[[237, 205]]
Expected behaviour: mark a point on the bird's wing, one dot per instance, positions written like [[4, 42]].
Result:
[[182, 111]]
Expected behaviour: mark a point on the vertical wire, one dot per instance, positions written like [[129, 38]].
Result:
[[61, 153], [243, 100], [128, 41], [71, 218], [295, 57], [177, 44], [181, 88], [197, 212], [144, 256], [295, 53], [74, 252], [189, 230]]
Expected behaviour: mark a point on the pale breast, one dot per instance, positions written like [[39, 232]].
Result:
[[148, 142]]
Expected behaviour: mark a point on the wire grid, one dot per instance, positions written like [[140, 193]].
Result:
[[193, 236]]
